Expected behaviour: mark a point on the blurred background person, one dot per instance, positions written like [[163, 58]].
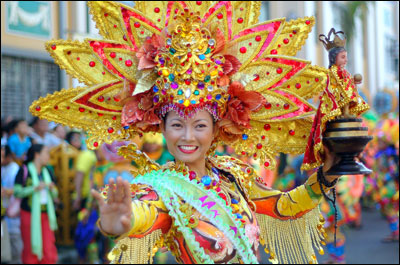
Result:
[[19, 142], [35, 185], [57, 132], [9, 170], [41, 134]]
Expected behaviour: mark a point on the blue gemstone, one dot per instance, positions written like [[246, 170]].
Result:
[[202, 56], [218, 97], [155, 89], [171, 77], [193, 102], [238, 215], [126, 127], [234, 201], [180, 101], [245, 136], [215, 171], [172, 50], [206, 180]]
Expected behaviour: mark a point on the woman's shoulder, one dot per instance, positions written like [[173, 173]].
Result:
[[232, 165]]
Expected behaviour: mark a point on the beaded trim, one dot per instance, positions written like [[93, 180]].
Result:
[[212, 109]]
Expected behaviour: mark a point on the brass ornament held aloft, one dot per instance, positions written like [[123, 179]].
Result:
[[337, 41]]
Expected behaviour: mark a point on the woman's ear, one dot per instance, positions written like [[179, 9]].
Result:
[[162, 126]]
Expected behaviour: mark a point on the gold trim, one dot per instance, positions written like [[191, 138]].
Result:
[[345, 125], [346, 134]]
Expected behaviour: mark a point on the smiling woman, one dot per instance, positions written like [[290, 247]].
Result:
[[203, 73]]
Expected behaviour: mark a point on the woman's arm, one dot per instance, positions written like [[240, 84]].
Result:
[[20, 188]]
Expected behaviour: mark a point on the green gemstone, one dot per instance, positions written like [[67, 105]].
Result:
[[208, 51], [207, 78], [171, 77], [180, 92], [196, 92]]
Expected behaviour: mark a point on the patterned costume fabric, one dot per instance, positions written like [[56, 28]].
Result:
[[185, 57]]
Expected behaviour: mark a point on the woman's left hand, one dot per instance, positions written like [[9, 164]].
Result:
[[330, 160]]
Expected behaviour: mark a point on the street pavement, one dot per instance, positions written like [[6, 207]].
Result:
[[363, 246]]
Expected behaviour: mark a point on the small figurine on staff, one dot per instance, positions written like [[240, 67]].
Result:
[[336, 124]]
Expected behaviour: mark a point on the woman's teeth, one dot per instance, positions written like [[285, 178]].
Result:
[[189, 148]]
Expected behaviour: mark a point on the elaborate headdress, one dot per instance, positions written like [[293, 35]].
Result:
[[337, 41], [186, 56]]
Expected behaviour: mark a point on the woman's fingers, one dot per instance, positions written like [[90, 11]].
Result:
[[120, 192], [110, 193], [98, 198], [128, 197]]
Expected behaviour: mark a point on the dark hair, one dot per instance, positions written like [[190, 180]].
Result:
[[14, 124], [35, 148], [34, 121], [7, 151], [164, 118], [333, 53], [69, 136]]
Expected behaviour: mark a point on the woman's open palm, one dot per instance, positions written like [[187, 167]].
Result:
[[116, 213]]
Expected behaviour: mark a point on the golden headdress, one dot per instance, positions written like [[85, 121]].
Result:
[[337, 41], [186, 56]]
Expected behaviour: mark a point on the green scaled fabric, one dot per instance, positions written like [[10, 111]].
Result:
[[172, 187]]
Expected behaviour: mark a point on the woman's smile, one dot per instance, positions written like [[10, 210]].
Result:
[[188, 149]]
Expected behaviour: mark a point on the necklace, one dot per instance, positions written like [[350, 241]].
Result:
[[213, 181]]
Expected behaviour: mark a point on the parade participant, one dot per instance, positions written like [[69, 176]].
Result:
[[201, 73], [35, 185], [9, 170], [19, 142]]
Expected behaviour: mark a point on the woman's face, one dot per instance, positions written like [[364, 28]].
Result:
[[188, 140], [76, 141], [44, 156], [341, 59]]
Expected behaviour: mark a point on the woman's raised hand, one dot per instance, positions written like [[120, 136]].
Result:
[[116, 213]]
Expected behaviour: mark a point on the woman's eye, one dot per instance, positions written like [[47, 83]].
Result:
[[176, 125], [201, 126]]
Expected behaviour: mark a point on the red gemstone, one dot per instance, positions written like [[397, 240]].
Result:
[[220, 16], [250, 43], [189, 55], [218, 189], [240, 20], [81, 109], [95, 144], [286, 106], [259, 146], [267, 73], [223, 196], [110, 130], [267, 127], [157, 10], [263, 137], [290, 35], [116, 99], [243, 50], [243, 152], [286, 41], [187, 81], [68, 107], [316, 79], [53, 47], [106, 14], [191, 220], [56, 107], [258, 38], [274, 51], [115, 26], [257, 77], [268, 105], [92, 64], [114, 118], [100, 114], [38, 108], [266, 164], [192, 175], [298, 85], [101, 98], [136, 24], [69, 52], [112, 55], [128, 63], [120, 59], [198, 3], [294, 32], [279, 70], [77, 58], [308, 22], [291, 132]]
